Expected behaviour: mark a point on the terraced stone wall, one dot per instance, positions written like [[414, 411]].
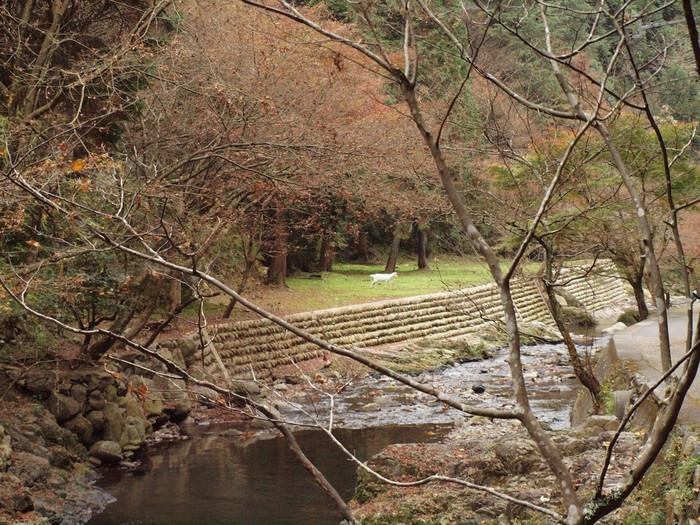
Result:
[[252, 348]]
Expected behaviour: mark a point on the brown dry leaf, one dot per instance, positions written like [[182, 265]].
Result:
[[143, 390], [78, 164]]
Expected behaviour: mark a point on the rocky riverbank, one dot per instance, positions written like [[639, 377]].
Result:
[[58, 425], [495, 454]]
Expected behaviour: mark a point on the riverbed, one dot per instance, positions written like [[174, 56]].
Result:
[[223, 479]]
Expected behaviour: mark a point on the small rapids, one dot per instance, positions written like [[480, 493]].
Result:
[[378, 401]]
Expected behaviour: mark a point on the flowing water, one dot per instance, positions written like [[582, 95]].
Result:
[[212, 479]]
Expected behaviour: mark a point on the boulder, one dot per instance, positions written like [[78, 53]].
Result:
[[110, 392], [40, 383], [30, 468], [205, 394], [518, 456], [14, 495], [96, 400], [152, 401], [114, 424], [176, 398], [617, 327], [243, 387], [62, 407], [99, 380], [574, 315], [79, 393], [109, 452], [601, 423], [134, 436], [81, 427], [97, 418]]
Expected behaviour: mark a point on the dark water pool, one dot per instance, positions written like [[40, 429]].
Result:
[[214, 480]]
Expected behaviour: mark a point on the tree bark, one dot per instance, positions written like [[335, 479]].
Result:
[[582, 370], [325, 260], [638, 289], [174, 292], [393, 258], [423, 249], [277, 272], [361, 250]]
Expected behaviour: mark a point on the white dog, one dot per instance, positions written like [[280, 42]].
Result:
[[382, 277]]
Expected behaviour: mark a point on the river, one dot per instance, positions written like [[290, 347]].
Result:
[[214, 479]]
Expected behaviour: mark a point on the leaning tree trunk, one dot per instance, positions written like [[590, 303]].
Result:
[[527, 418], [582, 370], [637, 284], [393, 258]]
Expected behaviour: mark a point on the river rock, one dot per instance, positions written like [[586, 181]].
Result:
[[97, 418], [243, 387], [601, 422], [31, 469], [96, 400], [81, 427], [98, 380], [111, 394], [109, 452], [134, 436], [198, 372], [151, 399], [114, 424], [518, 456], [176, 398], [577, 316], [617, 327], [40, 383], [79, 393], [478, 388], [5, 449], [62, 407], [205, 394]]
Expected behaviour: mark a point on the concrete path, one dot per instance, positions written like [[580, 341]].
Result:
[[638, 346]]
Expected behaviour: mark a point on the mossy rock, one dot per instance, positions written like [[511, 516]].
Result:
[[629, 317], [577, 316]]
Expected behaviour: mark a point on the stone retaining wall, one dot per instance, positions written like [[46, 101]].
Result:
[[252, 348]]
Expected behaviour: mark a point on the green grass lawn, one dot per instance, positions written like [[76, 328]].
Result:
[[351, 284]]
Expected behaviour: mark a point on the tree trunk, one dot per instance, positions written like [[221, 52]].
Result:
[[423, 249], [361, 251], [582, 369], [251, 254], [393, 258], [325, 261], [638, 288], [144, 299], [528, 419], [174, 292], [277, 272]]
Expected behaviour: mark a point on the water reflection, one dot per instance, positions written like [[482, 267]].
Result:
[[211, 479]]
